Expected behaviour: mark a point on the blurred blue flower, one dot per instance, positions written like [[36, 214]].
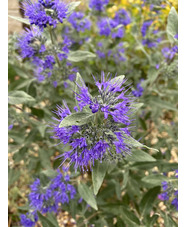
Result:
[[122, 17], [98, 5], [78, 22], [145, 26]]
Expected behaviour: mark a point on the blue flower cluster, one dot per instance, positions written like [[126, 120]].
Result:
[[48, 198], [27, 43], [45, 12], [169, 53], [98, 5], [105, 137], [108, 26], [29, 219], [145, 26], [139, 90], [169, 192], [78, 22], [122, 17], [116, 54], [32, 45]]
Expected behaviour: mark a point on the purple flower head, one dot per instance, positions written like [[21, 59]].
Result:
[[122, 17], [169, 53], [119, 33], [100, 54], [10, 127], [145, 26], [164, 185], [163, 196], [149, 43], [139, 90], [105, 136], [43, 13], [176, 36], [104, 26], [29, 220], [98, 5], [78, 22], [55, 84], [46, 198], [175, 203], [26, 43]]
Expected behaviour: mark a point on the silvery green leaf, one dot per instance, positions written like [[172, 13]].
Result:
[[22, 20], [117, 79], [172, 24], [87, 194], [80, 55], [98, 173], [72, 6], [79, 118], [19, 97]]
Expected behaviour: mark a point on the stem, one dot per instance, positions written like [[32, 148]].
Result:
[[53, 42], [87, 219]]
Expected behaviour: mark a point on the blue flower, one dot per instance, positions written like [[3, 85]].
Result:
[[98, 5], [176, 36], [104, 26], [90, 142], [139, 90], [169, 53], [145, 26], [26, 43], [47, 198], [163, 196], [43, 13], [119, 33], [175, 203], [122, 17], [78, 22], [29, 220], [149, 43], [164, 185], [10, 127]]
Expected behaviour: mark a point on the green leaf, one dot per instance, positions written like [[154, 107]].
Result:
[[148, 199], [50, 173], [45, 158], [140, 156], [51, 217], [19, 97], [125, 179], [152, 74], [80, 55], [168, 221], [136, 143], [45, 221], [13, 175], [156, 101], [42, 129], [154, 179], [72, 6], [172, 24], [98, 174], [87, 194], [79, 118], [129, 218], [117, 79], [22, 20]]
